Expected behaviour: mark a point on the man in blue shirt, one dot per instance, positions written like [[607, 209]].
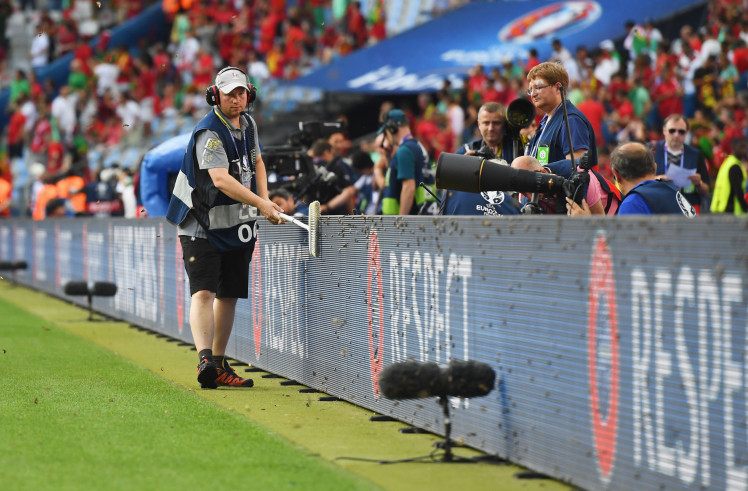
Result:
[[401, 194], [496, 143], [635, 170], [674, 150], [547, 85]]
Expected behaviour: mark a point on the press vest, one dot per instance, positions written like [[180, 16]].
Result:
[[663, 198], [723, 189], [229, 224]]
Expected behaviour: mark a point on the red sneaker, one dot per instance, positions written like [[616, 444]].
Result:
[[227, 377]]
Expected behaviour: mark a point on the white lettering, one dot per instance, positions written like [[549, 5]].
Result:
[[40, 240], [416, 281], [394, 78], [687, 461], [663, 364], [495, 55], [641, 332], [286, 330], [95, 262], [704, 356], [5, 243], [397, 333], [19, 246], [64, 259], [135, 271], [732, 296], [709, 387]]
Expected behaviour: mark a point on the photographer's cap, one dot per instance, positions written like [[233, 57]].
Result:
[[229, 79], [394, 116]]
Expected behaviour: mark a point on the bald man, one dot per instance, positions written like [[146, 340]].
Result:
[[634, 169]]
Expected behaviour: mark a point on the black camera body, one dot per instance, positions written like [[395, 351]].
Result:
[[290, 166]]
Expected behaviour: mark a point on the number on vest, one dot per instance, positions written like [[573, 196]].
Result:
[[247, 232]]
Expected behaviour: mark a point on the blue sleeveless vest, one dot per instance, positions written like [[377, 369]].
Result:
[[663, 198], [229, 224]]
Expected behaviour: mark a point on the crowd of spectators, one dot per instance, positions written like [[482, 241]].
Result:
[[117, 98], [626, 89]]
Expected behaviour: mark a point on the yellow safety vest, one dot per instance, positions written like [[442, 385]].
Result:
[[721, 196]]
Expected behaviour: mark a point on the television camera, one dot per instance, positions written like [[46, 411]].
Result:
[[289, 166]]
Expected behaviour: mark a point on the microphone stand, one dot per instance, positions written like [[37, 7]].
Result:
[[447, 446]]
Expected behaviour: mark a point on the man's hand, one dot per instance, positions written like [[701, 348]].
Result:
[[270, 210], [573, 209], [701, 186]]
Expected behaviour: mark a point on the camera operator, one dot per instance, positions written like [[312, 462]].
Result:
[[602, 196], [496, 143], [344, 199], [547, 85], [401, 195], [634, 169]]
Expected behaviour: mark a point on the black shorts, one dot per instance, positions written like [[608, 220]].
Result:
[[224, 273]]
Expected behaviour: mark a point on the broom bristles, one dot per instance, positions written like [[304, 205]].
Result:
[[314, 229]]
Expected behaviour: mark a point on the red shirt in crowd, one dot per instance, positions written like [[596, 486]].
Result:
[[15, 127], [595, 112], [668, 94]]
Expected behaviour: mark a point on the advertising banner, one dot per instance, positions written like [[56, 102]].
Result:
[[619, 344]]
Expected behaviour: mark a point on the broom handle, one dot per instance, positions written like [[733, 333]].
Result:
[[295, 221]]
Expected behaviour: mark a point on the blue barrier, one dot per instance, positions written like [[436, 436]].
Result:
[[619, 344]]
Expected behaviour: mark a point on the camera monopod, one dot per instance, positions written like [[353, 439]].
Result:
[[312, 228], [585, 165]]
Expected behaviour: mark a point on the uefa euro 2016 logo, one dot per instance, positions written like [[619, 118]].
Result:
[[557, 19]]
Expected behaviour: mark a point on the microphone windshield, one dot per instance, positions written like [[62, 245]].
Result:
[[411, 380], [469, 378], [416, 380]]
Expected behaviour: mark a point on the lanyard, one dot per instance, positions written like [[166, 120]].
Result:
[[667, 161], [230, 127], [534, 151]]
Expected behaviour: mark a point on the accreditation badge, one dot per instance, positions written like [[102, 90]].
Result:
[[543, 154]]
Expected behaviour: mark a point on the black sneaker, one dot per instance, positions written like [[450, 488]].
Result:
[[207, 373], [227, 377]]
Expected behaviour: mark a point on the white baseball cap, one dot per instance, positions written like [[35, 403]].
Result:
[[229, 79]]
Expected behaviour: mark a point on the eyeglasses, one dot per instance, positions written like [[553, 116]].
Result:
[[680, 131], [536, 88]]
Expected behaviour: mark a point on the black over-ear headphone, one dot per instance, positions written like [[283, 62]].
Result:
[[213, 95]]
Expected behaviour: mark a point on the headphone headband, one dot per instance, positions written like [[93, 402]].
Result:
[[213, 94]]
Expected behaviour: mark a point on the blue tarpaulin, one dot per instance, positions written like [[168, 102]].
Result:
[[482, 32], [157, 165]]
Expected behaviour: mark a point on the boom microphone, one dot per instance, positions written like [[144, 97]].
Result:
[[469, 378], [476, 174], [416, 380], [411, 380]]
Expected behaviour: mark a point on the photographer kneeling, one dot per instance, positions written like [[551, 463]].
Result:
[[635, 170], [344, 199]]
